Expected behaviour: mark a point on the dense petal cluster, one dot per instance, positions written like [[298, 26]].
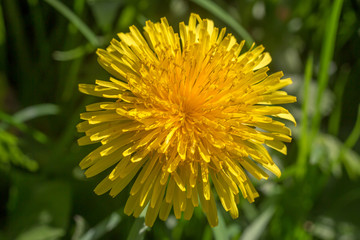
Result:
[[186, 114]]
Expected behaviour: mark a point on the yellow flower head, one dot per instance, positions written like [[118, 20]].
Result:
[[186, 114]]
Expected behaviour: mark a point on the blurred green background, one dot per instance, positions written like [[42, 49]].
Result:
[[47, 48]]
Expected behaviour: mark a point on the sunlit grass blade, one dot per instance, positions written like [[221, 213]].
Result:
[[83, 28], [224, 16], [303, 142], [327, 53]]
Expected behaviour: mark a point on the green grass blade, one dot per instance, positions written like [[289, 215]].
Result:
[[220, 231], [73, 53], [334, 122], [105, 226], [226, 18], [2, 27], [303, 144], [35, 111], [11, 153], [39, 26], [257, 227], [347, 156], [17, 120], [20, 50], [327, 53], [74, 19], [138, 229], [355, 133]]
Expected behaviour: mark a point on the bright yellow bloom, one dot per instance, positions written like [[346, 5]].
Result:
[[187, 114]]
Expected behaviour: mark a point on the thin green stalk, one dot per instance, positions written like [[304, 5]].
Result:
[[224, 16], [304, 144], [327, 53], [74, 19]]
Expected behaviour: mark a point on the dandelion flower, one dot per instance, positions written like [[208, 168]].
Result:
[[186, 115]]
